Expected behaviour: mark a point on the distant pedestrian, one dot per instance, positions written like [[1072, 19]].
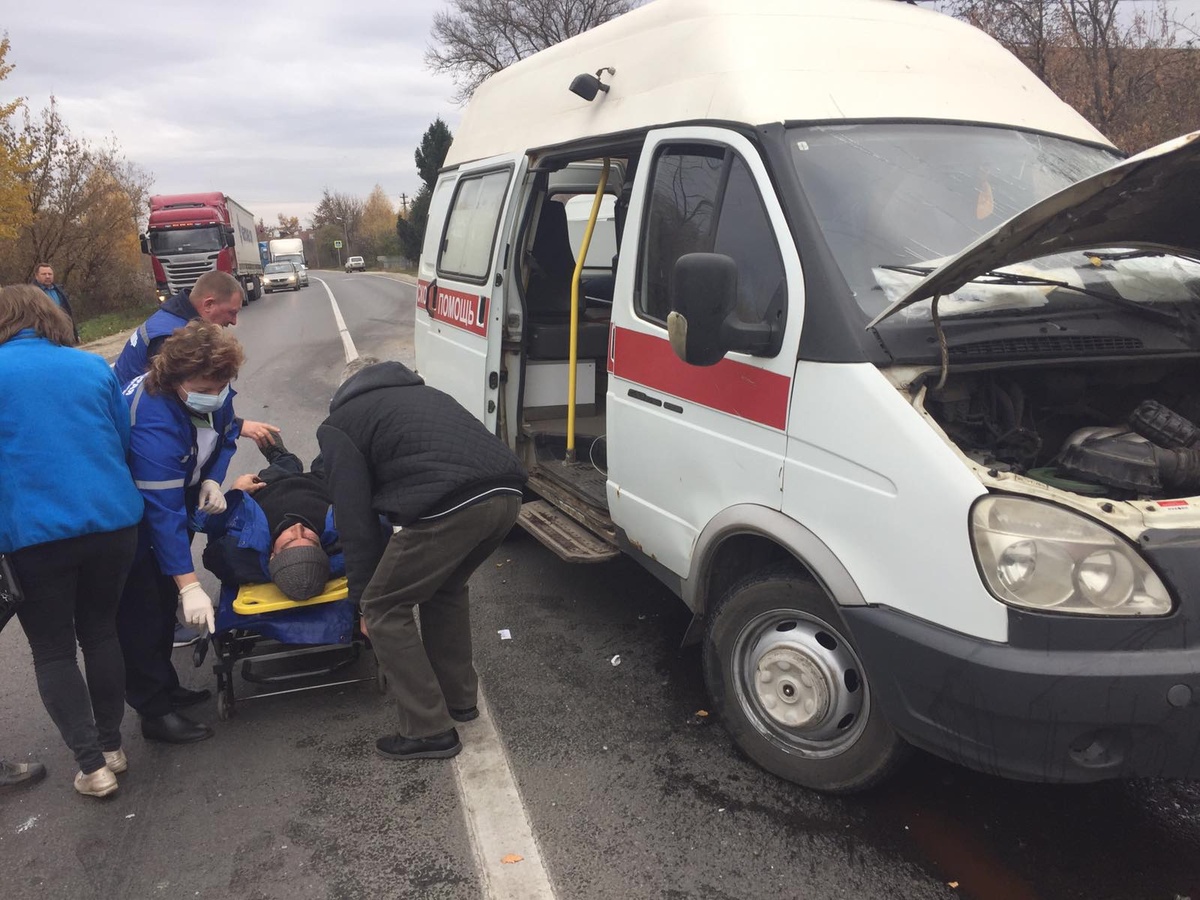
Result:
[[43, 277], [393, 446], [183, 437], [68, 524]]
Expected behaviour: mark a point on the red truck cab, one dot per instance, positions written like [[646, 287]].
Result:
[[190, 234]]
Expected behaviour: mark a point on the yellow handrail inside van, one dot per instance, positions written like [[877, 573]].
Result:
[[573, 357]]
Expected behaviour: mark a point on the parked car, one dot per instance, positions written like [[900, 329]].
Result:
[[280, 276], [356, 264]]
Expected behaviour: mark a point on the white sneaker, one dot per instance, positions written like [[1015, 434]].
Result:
[[100, 783], [116, 761]]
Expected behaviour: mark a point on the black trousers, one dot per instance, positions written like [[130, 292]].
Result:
[[146, 625], [72, 588]]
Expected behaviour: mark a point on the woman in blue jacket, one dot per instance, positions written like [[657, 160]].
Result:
[[68, 523], [183, 435]]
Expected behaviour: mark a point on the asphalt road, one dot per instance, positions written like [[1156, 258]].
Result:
[[629, 790]]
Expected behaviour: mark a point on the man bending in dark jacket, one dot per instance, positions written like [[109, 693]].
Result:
[[393, 446]]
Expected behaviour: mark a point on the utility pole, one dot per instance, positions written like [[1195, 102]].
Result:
[[404, 203]]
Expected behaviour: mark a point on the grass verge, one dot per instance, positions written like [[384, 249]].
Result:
[[111, 322]]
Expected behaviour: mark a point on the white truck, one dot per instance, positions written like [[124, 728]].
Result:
[[287, 250]]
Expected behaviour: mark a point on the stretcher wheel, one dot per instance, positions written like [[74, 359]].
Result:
[[225, 707]]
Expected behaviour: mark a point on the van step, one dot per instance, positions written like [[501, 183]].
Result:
[[567, 538]]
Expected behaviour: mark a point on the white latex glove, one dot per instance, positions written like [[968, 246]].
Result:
[[197, 607], [212, 500]]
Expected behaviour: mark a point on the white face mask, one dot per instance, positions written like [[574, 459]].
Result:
[[203, 404]]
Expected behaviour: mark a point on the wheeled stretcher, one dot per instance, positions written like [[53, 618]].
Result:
[[284, 645]]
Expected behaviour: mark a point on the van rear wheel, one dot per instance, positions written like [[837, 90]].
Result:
[[790, 688]]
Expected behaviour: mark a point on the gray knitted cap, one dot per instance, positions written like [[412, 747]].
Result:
[[300, 572]]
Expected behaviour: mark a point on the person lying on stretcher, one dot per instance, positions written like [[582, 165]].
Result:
[[277, 526]]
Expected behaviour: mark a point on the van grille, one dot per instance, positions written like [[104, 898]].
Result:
[[184, 274], [1047, 345]]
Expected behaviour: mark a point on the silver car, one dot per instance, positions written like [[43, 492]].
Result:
[[281, 276]]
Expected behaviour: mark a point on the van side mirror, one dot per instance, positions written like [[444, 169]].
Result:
[[144, 241], [703, 295], [703, 325], [230, 240]]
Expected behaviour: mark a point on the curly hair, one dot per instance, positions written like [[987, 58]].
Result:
[[198, 350], [26, 306]]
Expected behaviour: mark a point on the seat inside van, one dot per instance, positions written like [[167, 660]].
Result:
[[563, 201], [551, 263]]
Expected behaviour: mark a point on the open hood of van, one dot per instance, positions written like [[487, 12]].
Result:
[[1148, 202]]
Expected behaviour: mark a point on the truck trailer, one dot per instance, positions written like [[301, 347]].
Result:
[[190, 234], [288, 250]]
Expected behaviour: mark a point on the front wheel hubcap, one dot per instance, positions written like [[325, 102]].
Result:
[[791, 687], [800, 683]]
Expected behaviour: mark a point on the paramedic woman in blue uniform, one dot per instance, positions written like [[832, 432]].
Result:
[[182, 435]]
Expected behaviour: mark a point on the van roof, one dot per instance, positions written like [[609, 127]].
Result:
[[757, 62]]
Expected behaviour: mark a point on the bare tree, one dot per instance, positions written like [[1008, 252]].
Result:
[[1127, 69], [478, 38]]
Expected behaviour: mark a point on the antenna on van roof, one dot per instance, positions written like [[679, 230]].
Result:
[[586, 86]]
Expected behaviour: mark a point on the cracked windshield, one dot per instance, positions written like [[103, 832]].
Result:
[[895, 201]]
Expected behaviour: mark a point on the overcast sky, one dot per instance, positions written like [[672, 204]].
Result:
[[268, 102]]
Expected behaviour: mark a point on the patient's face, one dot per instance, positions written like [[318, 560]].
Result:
[[295, 536]]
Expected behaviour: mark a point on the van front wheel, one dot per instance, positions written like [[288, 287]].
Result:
[[790, 688]]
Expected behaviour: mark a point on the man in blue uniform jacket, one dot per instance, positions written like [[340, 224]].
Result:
[[217, 298]]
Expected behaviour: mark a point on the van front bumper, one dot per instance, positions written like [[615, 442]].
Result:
[[1122, 706]]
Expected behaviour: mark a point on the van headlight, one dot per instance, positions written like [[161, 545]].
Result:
[[1040, 556]]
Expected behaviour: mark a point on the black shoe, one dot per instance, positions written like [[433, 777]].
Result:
[[174, 729], [439, 746], [466, 714], [20, 774], [182, 697]]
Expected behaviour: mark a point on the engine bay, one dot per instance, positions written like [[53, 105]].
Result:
[[1121, 431]]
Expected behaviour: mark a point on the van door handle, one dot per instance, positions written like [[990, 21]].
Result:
[[431, 297], [655, 401]]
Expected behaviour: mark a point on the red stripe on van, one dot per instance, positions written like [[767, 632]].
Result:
[[747, 392]]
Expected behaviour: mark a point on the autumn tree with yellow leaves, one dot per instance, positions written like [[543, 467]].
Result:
[[14, 206], [72, 204], [378, 226]]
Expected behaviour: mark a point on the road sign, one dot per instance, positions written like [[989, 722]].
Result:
[[337, 245]]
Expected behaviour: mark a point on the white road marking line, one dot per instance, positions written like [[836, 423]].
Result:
[[347, 341], [492, 805], [496, 817]]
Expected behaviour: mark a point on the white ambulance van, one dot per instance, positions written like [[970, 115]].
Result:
[[870, 348]]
